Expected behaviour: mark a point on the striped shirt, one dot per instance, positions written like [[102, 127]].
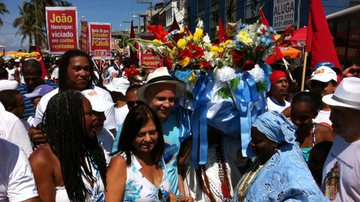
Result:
[[29, 105]]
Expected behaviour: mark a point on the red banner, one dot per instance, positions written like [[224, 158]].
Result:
[[100, 40], [150, 60], [84, 36], [61, 27]]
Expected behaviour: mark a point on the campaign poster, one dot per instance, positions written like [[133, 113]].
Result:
[[284, 14], [149, 59], [84, 36], [61, 27], [100, 40]]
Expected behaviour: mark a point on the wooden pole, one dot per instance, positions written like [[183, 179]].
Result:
[[304, 72]]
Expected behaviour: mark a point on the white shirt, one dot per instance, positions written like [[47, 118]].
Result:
[[341, 171], [323, 117], [230, 146], [8, 85], [11, 73], [110, 116], [16, 178], [120, 115], [106, 140], [13, 130], [272, 106]]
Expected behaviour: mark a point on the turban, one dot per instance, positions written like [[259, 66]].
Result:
[[276, 75], [276, 127]]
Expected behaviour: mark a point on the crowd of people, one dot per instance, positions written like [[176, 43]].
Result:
[[93, 134]]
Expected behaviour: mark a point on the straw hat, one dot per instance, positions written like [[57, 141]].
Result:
[[160, 75], [346, 95]]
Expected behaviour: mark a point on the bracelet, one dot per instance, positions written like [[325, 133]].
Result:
[[178, 197]]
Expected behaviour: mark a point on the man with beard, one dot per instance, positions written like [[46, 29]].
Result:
[[32, 76], [340, 176], [323, 81], [278, 92]]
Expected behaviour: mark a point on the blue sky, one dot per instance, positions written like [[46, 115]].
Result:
[[109, 11]]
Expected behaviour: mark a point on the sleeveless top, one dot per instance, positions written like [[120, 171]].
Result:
[[95, 193], [306, 150], [138, 188]]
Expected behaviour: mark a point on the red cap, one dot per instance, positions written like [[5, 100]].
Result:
[[276, 75]]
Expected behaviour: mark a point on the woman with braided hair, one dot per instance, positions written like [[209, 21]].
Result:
[[71, 165]]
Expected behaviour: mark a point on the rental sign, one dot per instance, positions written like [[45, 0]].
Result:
[[284, 14], [61, 27]]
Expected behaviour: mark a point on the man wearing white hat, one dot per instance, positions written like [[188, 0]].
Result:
[[323, 81], [117, 88], [342, 167]]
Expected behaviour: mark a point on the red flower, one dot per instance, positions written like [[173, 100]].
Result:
[[196, 51], [130, 71], [158, 31], [167, 62], [185, 53], [237, 56], [248, 65], [205, 64]]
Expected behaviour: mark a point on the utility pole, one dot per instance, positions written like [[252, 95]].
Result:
[[150, 6]]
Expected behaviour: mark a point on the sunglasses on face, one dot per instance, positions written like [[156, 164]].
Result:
[[132, 104], [318, 84]]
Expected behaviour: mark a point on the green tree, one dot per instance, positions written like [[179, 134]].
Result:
[[3, 11], [31, 22]]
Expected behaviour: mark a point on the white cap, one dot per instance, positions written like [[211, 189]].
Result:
[[97, 102], [118, 85], [323, 74]]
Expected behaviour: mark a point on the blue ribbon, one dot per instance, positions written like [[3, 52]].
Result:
[[246, 94], [201, 94], [183, 116]]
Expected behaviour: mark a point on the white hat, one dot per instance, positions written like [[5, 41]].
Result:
[[118, 85], [159, 75], [17, 60], [98, 103], [323, 74], [347, 94]]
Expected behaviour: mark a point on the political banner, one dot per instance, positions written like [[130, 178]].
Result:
[[100, 40], [149, 59], [61, 27], [84, 36], [284, 14]]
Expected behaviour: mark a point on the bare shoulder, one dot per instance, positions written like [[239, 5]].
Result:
[[42, 156], [324, 133], [117, 162]]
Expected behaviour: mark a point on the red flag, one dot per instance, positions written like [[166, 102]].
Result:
[[133, 56], [277, 55], [319, 40], [174, 25], [222, 31], [39, 58]]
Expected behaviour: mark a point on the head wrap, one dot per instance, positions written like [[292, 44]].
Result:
[[276, 75], [276, 127]]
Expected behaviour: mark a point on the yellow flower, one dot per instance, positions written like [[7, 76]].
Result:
[[244, 37], [214, 50], [221, 49], [198, 34], [156, 41], [173, 53], [181, 44], [192, 78], [184, 62], [189, 38]]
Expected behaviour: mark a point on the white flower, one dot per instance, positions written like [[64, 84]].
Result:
[[225, 74], [206, 39], [208, 55], [200, 24], [257, 73]]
